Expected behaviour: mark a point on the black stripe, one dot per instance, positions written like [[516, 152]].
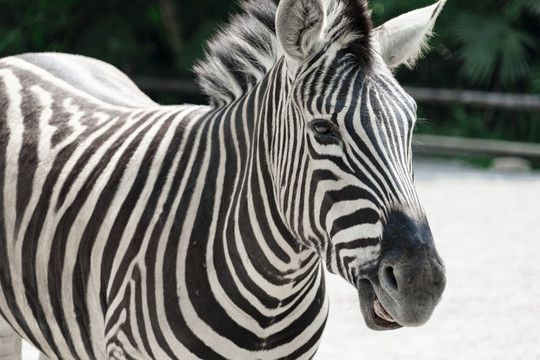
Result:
[[91, 127], [347, 193], [6, 282], [124, 213], [173, 313], [28, 156], [362, 216], [139, 301]]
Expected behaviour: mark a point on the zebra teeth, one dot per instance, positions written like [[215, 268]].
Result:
[[381, 312]]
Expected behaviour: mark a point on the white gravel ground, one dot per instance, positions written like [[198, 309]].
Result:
[[487, 229]]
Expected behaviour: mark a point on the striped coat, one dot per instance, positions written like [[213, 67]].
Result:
[[136, 231]]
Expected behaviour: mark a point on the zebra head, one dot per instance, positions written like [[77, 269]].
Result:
[[352, 124]]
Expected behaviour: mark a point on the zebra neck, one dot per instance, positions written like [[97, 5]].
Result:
[[255, 233]]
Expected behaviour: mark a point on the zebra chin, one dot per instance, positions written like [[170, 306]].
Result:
[[406, 285]]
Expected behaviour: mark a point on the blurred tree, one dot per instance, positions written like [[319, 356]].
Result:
[[496, 41], [491, 44], [151, 37]]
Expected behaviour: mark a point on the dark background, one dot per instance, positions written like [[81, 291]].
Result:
[[488, 45]]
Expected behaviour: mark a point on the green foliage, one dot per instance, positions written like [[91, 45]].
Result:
[[130, 34], [496, 47], [491, 44], [481, 44], [488, 44]]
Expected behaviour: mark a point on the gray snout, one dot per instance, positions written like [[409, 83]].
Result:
[[411, 273]]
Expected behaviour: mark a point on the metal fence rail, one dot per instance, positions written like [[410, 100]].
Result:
[[527, 102], [449, 145]]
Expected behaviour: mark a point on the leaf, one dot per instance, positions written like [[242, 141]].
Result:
[[493, 48], [514, 9], [514, 56]]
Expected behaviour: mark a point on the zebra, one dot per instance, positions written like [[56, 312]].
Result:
[[131, 230]]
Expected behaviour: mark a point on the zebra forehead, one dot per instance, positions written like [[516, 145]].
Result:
[[246, 49], [352, 87]]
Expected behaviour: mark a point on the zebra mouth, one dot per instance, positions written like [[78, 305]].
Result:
[[375, 314], [381, 315]]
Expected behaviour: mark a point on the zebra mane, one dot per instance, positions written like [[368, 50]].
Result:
[[247, 48]]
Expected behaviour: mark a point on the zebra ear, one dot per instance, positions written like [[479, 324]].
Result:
[[403, 39], [299, 25]]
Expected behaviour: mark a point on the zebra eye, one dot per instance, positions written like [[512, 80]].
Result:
[[322, 127]]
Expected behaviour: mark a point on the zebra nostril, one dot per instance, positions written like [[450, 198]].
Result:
[[389, 278]]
